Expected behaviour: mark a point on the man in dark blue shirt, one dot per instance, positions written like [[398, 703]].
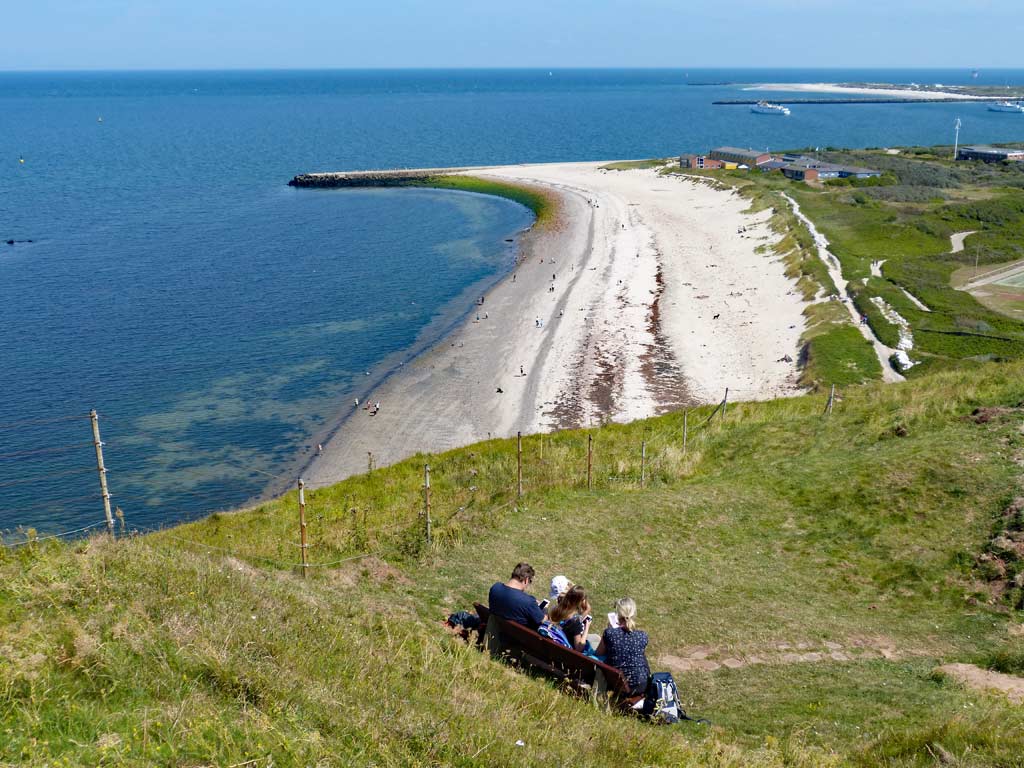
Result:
[[510, 600]]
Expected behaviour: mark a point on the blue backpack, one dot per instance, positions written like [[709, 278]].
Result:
[[661, 699], [553, 632]]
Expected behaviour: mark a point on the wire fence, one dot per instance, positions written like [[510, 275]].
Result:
[[414, 515]]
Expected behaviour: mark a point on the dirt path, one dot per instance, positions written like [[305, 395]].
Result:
[[704, 658], [956, 240], [979, 679]]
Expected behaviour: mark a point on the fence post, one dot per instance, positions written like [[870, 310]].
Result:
[[101, 469], [831, 400], [519, 465], [643, 462], [686, 430], [426, 499], [369, 461], [725, 403], [590, 461], [302, 527]]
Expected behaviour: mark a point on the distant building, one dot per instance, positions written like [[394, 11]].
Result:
[[799, 172], [990, 154], [748, 157], [826, 170], [698, 161]]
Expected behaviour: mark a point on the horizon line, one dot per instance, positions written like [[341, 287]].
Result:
[[538, 68]]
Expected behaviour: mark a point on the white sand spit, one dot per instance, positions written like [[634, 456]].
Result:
[[660, 299], [846, 90]]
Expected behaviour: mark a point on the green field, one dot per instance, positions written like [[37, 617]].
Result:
[[833, 561]]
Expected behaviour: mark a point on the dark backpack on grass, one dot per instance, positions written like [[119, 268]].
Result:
[[662, 704], [661, 700]]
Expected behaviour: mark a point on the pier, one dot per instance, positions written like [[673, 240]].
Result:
[[391, 178]]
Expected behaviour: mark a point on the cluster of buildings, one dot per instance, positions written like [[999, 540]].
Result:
[[990, 154], [799, 167]]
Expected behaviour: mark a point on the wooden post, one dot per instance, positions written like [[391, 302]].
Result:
[[519, 465], [369, 461], [101, 469], [725, 403], [643, 462], [302, 527], [426, 499], [590, 462], [831, 399], [686, 430]]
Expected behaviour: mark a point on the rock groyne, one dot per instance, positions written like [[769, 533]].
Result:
[[394, 178]]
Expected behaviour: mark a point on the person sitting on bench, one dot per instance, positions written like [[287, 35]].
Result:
[[570, 612], [510, 600], [623, 646]]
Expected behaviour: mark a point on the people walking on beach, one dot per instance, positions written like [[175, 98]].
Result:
[[521, 371], [319, 449], [357, 402], [513, 277]]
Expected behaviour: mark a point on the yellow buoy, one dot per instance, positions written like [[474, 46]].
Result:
[[21, 160]]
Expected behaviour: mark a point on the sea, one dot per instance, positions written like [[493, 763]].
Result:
[[221, 323]]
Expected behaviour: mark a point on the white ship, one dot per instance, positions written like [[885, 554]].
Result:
[[767, 108], [1005, 106]]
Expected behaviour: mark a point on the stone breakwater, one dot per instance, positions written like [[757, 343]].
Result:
[[369, 178]]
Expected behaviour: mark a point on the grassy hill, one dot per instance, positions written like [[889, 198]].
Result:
[[801, 575]]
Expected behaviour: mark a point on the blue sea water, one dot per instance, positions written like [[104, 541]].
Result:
[[221, 321]]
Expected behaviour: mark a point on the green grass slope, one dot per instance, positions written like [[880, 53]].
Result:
[[801, 575]]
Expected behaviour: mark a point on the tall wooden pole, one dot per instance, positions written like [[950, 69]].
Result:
[[831, 399], [426, 499], [725, 403], [303, 546], [643, 462], [590, 462], [519, 464], [686, 430], [101, 469]]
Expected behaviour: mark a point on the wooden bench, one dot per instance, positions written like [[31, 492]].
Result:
[[505, 638]]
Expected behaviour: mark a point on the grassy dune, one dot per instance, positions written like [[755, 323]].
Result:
[[817, 569], [543, 203], [904, 219]]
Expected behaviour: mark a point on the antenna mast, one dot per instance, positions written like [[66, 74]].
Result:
[[956, 140]]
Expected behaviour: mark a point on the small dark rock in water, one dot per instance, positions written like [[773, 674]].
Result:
[[509, 240], [10, 242]]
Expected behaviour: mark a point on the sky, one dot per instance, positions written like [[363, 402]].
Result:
[[270, 34]]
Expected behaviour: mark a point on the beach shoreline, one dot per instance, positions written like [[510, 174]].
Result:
[[632, 302], [848, 90]]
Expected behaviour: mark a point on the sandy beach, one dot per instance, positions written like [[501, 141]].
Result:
[[845, 90], [648, 294]]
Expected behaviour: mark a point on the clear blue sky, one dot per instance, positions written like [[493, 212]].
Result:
[[187, 34]]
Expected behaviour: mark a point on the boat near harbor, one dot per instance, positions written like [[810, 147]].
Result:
[[767, 108], [1006, 106]]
